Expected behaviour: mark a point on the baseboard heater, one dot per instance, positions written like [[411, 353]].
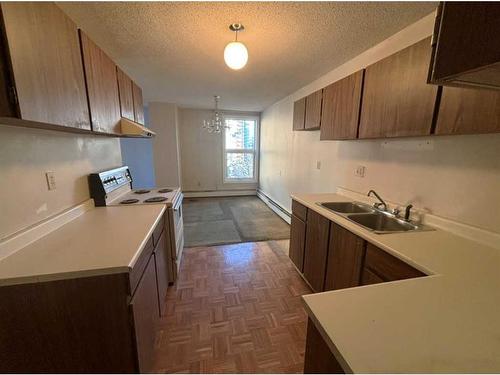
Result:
[[277, 205]]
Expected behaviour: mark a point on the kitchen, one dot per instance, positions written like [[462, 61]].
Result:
[[403, 280]]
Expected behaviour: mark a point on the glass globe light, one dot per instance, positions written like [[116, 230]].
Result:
[[236, 55]]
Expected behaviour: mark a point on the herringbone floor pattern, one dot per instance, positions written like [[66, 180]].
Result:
[[235, 309]]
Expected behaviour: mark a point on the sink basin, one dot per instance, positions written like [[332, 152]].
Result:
[[347, 207], [371, 218], [383, 223]]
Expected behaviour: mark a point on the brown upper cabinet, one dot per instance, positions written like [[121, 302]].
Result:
[[45, 64], [466, 49], [138, 104], [102, 87], [468, 111], [397, 101], [313, 110], [125, 93], [341, 106], [299, 114]]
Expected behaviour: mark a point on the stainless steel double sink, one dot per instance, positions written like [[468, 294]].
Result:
[[371, 218]]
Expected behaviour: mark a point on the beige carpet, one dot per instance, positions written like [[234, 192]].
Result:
[[215, 221]]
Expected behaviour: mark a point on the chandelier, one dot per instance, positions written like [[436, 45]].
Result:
[[215, 124]]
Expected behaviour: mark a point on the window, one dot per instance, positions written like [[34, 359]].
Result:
[[240, 149]]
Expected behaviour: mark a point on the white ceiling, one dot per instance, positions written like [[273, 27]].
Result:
[[174, 50]]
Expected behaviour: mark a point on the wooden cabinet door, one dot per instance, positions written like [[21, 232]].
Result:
[[468, 111], [340, 110], [144, 307], [387, 267], [138, 104], [313, 110], [46, 62], [161, 257], [345, 259], [297, 242], [466, 51], [125, 94], [316, 250], [318, 358], [299, 113], [397, 101], [299, 210], [102, 86]]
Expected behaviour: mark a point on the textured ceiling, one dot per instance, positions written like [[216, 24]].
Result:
[[174, 50]]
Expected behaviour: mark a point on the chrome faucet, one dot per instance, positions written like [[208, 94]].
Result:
[[377, 205]]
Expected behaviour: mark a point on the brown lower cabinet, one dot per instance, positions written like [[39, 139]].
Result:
[[380, 266], [349, 261], [345, 259], [316, 250], [95, 324], [144, 306], [318, 358], [331, 257], [297, 242], [162, 274]]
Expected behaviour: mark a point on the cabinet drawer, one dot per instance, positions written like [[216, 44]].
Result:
[[158, 230], [140, 264], [299, 210], [388, 267]]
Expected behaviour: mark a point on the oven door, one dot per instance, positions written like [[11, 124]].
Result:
[[178, 227]]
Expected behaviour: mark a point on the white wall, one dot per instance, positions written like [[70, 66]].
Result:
[[457, 177], [163, 120], [25, 156], [201, 154]]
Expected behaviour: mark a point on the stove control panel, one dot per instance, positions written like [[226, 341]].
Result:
[[100, 184]]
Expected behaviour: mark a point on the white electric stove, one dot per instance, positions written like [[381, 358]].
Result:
[[114, 188]]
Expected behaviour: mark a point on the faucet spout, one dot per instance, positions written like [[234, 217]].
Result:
[[382, 203]]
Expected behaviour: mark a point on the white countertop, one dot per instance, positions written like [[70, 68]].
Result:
[[103, 240], [447, 322]]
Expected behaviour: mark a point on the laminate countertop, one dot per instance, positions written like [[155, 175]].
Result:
[[446, 322], [103, 240]]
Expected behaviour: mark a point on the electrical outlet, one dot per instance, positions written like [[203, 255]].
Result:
[[360, 171], [51, 180], [318, 164]]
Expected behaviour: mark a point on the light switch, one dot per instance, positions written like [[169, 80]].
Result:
[[360, 171], [51, 180]]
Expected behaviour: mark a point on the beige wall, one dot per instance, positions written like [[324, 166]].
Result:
[[163, 120], [201, 153], [25, 156], [457, 177]]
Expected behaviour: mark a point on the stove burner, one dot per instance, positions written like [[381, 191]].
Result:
[[129, 201], [155, 199], [142, 191], [165, 190]]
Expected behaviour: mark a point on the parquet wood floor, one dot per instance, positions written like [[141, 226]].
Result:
[[235, 309]]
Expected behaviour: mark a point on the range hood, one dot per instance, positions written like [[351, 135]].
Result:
[[132, 128]]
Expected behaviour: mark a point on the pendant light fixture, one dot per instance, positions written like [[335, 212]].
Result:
[[215, 124], [235, 53]]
